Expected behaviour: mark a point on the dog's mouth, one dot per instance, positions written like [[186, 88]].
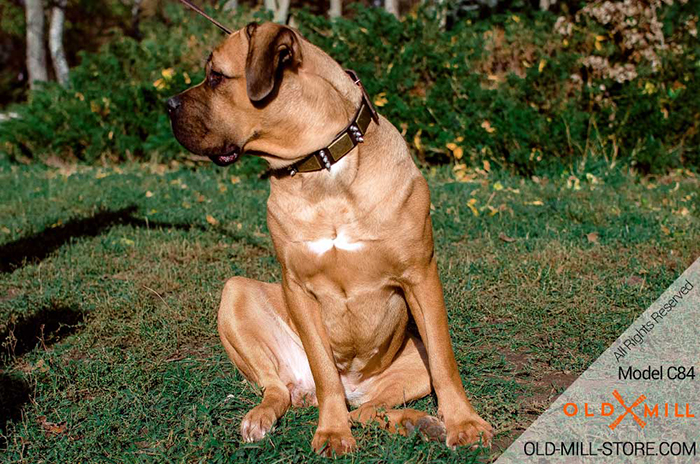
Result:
[[230, 156]]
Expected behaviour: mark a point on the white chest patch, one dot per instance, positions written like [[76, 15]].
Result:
[[342, 242]]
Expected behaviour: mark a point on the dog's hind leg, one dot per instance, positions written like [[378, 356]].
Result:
[[406, 379], [255, 330]]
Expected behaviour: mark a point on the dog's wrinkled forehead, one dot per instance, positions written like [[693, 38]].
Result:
[[229, 56]]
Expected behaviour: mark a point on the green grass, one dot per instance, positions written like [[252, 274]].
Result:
[[129, 368]]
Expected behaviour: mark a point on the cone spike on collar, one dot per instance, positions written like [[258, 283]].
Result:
[[194, 7]]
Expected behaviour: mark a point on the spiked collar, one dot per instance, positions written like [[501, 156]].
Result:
[[345, 141]]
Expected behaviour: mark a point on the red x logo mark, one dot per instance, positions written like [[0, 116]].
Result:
[[628, 410]]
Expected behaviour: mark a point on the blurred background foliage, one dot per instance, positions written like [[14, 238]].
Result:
[[540, 88]]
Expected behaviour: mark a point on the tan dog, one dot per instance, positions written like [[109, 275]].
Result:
[[355, 244]]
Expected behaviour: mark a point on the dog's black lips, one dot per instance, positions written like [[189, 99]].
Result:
[[228, 158]]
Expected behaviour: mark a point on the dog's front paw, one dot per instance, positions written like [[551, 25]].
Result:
[[257, 423], [469, 432], [328, 442]]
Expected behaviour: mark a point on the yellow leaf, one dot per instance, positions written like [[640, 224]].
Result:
[[159, 84], [456, 150], [416, 140], [487, 127], [598, 46], [110, 136], [235, 180], [470, 204], [534, 203], [599, 38], [153, 211], [127, 241], [80, 96], [515, 18], [168, 73], [543, 63], [498, 186], [186, 205], [101, 175], [487, 166], [380, 100], [188, 81], [212, 220], [665, 230], [149, 194], [222, 188]]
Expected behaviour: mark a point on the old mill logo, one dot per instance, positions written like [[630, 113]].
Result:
[[670, 410]]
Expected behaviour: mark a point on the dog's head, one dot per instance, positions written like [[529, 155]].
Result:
[[256, 98]]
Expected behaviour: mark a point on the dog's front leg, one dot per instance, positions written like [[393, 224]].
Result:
[[427, 305], [333, 433]]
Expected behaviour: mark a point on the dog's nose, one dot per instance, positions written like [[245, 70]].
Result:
[[173, 104]]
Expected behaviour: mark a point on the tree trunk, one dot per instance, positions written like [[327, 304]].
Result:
[[36, 54], [392, 6], [231, 5], [58, 56], [282, 11], [336, 10]]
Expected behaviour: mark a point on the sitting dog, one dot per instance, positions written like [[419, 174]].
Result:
[[349, 215]]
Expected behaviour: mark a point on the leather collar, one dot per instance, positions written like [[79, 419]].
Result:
[[345, 141]]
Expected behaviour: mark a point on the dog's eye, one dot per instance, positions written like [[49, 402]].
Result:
[[214, 78]]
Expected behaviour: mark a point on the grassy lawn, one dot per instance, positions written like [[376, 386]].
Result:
[[110, 280]]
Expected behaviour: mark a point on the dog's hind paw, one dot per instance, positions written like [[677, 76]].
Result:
[[429, 427]]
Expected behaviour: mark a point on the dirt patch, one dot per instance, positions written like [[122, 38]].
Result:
[[544, 387]]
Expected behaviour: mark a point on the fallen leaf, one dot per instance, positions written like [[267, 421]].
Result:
[[470, 204], [168, 73], [487, 127], [50, 427], [592, 237], [498, 186], [380, 100], [235, 180], [212, 220], [534, 203], [149, 194], [634, 281], [505, 238], [543, 63], [487, 166]]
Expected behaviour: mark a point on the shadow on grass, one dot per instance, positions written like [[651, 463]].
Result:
[[44, 327], [37, 247]]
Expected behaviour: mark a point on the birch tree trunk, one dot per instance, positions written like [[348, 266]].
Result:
[[280, 8], [336, 10], [231, 5], [392, 6], [58, 55], [36, 54]]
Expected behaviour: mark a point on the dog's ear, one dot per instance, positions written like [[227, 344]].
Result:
[[271, 49]]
